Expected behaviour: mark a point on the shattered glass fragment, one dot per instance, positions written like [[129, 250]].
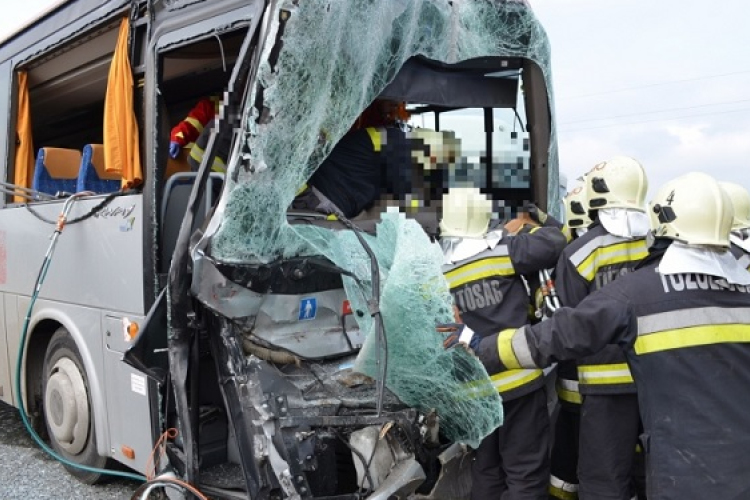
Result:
[[309, 103]]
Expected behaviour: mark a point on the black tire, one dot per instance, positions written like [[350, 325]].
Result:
[[64, 370]]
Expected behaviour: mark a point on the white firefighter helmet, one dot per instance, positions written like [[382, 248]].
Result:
[[693, 209], [466, 213], [740, 202], [617, 183], [576, 208]]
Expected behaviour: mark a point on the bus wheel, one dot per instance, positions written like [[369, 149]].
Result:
[[67, 407]]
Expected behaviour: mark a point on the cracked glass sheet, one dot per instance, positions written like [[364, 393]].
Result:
[[337, 56]]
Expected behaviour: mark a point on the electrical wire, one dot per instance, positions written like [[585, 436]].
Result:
[[365, 464], [94, 210], [695, 115], [152, 462], [656, 84], [59, 226], [654, 112]]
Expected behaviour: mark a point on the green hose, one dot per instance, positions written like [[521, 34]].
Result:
[[19, 361]]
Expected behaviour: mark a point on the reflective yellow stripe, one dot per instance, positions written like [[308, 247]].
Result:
[[195, 123], [534, 229], [301, 189], [513, 379], [480, 269], [692, 337], [375, 138], [569, 396], [197, 153], [627, 251], [505, 349], [219, 165], [477, 389], [562, 490], [567, 390], [618, 373], [562, 495]]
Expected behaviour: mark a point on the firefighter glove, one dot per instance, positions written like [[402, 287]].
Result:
[[459, 333]]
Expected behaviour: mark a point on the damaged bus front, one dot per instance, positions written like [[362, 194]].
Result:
[[303, 356]]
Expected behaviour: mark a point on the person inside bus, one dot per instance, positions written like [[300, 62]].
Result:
[[372, 158], [191, 127]]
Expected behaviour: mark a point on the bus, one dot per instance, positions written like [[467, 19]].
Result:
[[194, 324]]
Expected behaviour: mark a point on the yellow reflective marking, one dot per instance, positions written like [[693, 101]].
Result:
[[603, 368], [196, 153], [692, 337], [477, 389], [195, 123], [608, 256], [616, 373], [569, 396], [505, 349], [483, 268], [562, 494], [375, 138], [502, 384]]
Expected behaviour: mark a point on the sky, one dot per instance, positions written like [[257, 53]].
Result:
[[664, 81]]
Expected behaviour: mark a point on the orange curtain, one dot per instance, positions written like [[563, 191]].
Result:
[[120, 126], [24, 166]]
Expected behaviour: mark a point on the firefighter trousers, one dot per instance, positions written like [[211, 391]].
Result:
[[564, 457], [512, 463], [610, 426]]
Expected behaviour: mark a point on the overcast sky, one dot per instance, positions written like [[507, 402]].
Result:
[[664, 81]]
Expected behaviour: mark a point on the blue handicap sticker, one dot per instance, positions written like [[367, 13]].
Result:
[[308, 308]]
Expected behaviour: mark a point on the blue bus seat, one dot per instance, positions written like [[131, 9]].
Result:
[[92, 175], [56, 170]]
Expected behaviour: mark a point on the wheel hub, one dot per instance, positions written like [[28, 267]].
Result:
[[66, 406]]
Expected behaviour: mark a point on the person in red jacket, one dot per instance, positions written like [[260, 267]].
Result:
[[192, 125]]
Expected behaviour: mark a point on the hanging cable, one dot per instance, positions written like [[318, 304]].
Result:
[[152, 465], [94, 210]]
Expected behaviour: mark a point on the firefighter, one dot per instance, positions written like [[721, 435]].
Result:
[[683, 319], [483, 270], [188, 130], [373, 155], [221, 150], [740, 237], [564, 458], [577, 218], [614, 243]]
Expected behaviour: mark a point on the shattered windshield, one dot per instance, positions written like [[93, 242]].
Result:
[[337, 56]]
